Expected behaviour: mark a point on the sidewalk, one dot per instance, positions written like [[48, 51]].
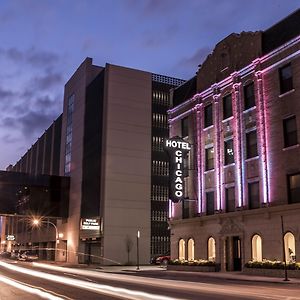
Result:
[[154, 269]]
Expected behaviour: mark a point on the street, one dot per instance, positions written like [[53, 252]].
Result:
[[24, 280]]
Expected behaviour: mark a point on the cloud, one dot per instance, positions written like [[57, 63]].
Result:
[[197, 58], [9, 139], [47, 81], [31, 56]]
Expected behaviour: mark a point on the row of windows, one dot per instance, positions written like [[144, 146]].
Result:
[[256, 248], [159, 193], [161, 98], [68, 145], [160, 245], [293, 188], [159, 215], [157, 143], [160, 168], [290, 139], [286, 84], [289, 248], [189, 253], [160, 121]]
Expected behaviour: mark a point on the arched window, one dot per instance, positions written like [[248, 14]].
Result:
[[289, 247], [256, 248], [191, 249], [211, 249], [181, 250]]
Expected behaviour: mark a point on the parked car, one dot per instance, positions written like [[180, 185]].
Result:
[[28, 256], [5, 254], [163, 260]]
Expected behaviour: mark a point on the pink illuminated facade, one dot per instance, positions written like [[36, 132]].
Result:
[[244, 166]]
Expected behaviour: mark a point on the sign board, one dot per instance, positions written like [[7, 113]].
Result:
[[177, 149], [10, 237], [90, 224]]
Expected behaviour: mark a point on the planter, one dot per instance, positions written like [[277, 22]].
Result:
[[192, 268], [271, 272]]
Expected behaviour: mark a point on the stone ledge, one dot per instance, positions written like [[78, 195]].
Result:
[[192, 268], [271, 272]]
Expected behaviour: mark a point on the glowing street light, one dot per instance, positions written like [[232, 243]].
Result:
[[137, 251]]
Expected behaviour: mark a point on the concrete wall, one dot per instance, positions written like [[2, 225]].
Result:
[[127, 163]]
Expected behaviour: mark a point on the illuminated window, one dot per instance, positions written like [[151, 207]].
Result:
[[209, 158], [191, 249], [249, 97], [294, 188], [228, 152], [256, 248], [211, 249], [286, 78], [230, 199], [253, 195], [227, 107], [289, 247], [208, 115], [290, 132], [251, 144], [181, 250]]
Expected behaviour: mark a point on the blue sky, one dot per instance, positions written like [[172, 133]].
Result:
[[43, 42]]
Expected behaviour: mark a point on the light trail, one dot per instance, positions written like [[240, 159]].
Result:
[[120, 293], [29, 289]]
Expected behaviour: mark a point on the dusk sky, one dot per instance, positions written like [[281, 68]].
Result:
[[43, 42]]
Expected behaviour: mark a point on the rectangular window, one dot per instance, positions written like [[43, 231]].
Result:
[[294, 188], [228, 152], [230, 199], [290, 132], [209, 158], [251, 144], [208, 115], [185, 127], [227, 107], [185, 209], [253, 195], [286, 78], [210, 203], [249, 96]]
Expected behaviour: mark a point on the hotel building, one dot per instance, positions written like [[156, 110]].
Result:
[[242, 176]]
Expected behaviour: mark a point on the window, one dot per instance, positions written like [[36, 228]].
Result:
[[209, 158], [185, 209], [227, 107], [251, 144], [181, 249], [294, 188], [289, 247], [210, 203], [230, 199], [249, 96], [228, 152], [256, 248], [208, 117], [253, 195], [185, 127], [290, 132], [286, 78], [211, 245], [191, 249]]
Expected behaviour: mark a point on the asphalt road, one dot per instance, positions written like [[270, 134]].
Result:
[[23, 280]]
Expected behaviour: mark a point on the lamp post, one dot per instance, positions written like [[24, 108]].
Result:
[[137, 251], [283, 248], [37, 222]]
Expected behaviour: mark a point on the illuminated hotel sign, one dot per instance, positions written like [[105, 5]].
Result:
[[10, 237], [90, 224], [177, 149]]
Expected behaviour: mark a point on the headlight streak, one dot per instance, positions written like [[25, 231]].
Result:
[[95, 287], [29, 289]]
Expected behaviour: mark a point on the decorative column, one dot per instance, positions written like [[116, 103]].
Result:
[[238, 139], [199, 154], [217, 147], [263, 143]]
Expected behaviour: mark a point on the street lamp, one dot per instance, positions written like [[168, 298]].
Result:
[[37, 222], [137, 251]]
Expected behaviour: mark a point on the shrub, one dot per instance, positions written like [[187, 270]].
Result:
[[272, 264], [196, 262]]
